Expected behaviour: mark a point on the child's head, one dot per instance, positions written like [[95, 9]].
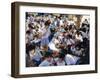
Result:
[[28, 32], [61, 56], [30, 26], [44, 47], [55, 53], [48, 56], [78, 47], [31, 48], [47, 23]]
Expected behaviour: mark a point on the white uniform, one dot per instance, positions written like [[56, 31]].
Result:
[[60, 62], [79, 38], [46, 63], [36, 56], [71, 60], [45, 40]]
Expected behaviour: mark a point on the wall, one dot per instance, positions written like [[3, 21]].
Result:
[[5, 40]]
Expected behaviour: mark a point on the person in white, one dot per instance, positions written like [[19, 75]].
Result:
[[45, 34], [30, 19], [53, 43], [85, 22], [73, 49], [70, 41], [48, 61], [35, 56], [60, 61], [71, 59], [79, 37]]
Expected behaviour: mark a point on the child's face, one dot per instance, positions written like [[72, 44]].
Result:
[[32, 51], [49, 59], [55, 53]]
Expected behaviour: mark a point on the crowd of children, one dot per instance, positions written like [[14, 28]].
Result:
[[53, 40]]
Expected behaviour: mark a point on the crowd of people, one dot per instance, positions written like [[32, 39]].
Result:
[[53, 40]]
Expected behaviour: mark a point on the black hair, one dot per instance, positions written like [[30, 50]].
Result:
[[70, 27], [85, 19], [31, 47], [63, 51], [30, 26], [69, 36], [28, 32], [27, 15], [78, 46], [47, 23], [48, 54], [88, 25], [84, 29], [78, 32], [62, 55], [66, 29]]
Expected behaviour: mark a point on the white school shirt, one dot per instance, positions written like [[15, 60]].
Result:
[[73, 49], [85, 22], [56, 41], [30, 19], [45, 33], [46, 63], [71, 60], [79, 37], [29, 37], [61, 22], [36, 40], [52, 46], [36, 56], [60, 63], [84, 34], [78, 52], [70, 41]]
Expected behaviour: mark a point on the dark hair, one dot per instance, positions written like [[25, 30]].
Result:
[[31, 47], [78, 46], [30, 26], [62, 55], [66, 29], [84, 29], [48, 54], [70, 27], [85, 19], [28, 32], [88, 25], [69, 36], [77, 32], [47, 23]]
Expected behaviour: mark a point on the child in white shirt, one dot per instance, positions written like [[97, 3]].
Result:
[[48, 61]]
